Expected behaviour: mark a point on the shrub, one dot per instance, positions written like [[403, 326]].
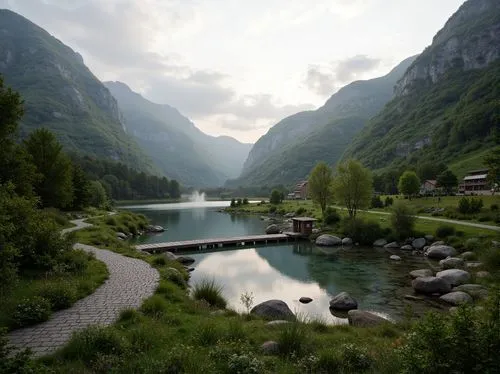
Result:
[[175, 276], [402, 220], [88, 344], [245, 201], [363, 232], [494, 207], [207, 335], [76, 260], [472, 244], [59, 295], [468, 342], [273, 209], [490, 257], [209, 291], [376, 202], [388, 201], [293, 340], [355, 359], [111, 221], [245, 364], [464, 205], [155, 306], [331, 216], [31, 311], [443, 231], [470, 206], [10, 362], [276, 197], [233, 203], [485, 218], [300, 211], [159, 261]]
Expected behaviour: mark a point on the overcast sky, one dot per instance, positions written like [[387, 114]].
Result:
[[236, 67]]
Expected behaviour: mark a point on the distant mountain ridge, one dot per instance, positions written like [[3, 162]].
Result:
[[61, 93], [447, 103], [292, 147], [177, 146]]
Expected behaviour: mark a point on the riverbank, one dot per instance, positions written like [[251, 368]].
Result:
[[172, 332]]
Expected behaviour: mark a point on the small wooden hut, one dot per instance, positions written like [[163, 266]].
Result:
[[303, 225]]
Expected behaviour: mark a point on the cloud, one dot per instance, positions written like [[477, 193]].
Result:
[[324, 80]]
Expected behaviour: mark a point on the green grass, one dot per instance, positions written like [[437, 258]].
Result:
[[211, 292], [62, 290], [471, 161]]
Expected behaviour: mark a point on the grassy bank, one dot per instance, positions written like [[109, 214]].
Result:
[[174, 333], [36, 295]]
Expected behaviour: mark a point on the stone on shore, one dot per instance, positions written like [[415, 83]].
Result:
[[328, 240], [456, 298], [393, 245], [273, 309], [419, 243], [452, 263], [477, 291], [431, 285], [440, 252], [407, 247], [272, 230], [270, 347], [347, 241], [185, 260], [455, 277], [379, 243], [343, 301], [361, 318], [395, 258]]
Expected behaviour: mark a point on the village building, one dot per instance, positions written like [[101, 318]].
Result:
[[429, 187], [475, 183], [303, 226], [301, 191]]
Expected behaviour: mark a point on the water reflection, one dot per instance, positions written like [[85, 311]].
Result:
[[291, 271]]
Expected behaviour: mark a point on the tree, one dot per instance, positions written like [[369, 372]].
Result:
[[81, 188], [56, 186], [99, 198], [402, 220], [447, 180], [492, 162], [353, 186], [320, 186], [276, 197], [175, 189], [409, 183]]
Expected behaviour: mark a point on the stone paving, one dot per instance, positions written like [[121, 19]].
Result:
[[130, 282]]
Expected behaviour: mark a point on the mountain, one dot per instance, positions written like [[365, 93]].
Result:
[[447, 105], [176, 145], [61, 94], [292, 147]]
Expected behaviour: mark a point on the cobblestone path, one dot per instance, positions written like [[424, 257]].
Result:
[[130, 282]]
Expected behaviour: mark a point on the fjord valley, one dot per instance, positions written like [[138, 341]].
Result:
[[191, 187]]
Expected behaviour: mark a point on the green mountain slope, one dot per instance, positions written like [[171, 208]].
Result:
[[447, 103], [292, 147], [176, 145], [61, 94]]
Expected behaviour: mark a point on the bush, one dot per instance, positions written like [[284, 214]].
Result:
[[59, 295], [470, 206], [245, 364], [175, 276], [76, 261], [355, 359], [10, 362], [331, 216], [245, 201], [207, 334], [376, 202], [156, 306], [31, 311], [363, 232], [388, 201], [273, 209], [209, 291], [472, 244], [461, 342], [402, 220], [88, 344], [300, 211], [494, 207], [443, 231]]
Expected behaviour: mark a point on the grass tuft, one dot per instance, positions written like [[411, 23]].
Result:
[[209, 291]]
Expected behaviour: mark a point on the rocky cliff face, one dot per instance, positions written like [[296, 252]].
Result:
[[62, 94], [463, 43]]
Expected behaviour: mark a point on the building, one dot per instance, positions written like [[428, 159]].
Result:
[[475, 183], [428, 187], [301, 190], [303, 225]]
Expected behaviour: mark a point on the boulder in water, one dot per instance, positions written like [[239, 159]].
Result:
[[328, 240], [343, 301]]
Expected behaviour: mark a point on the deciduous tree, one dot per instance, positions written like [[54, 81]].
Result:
[[409, 184], [320, 186], [353, 186], [447, 180]]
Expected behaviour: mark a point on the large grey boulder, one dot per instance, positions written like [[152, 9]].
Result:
[[455, 277], [440, 242], [452, 263], [419, 243], [170, 256], [393, 245], [361, 318], [421, 273], [477, 291], [440, 252], [343, 301], [328, 240], [272, 229], [121, 235], [379, 243], [431, 285], [456, 298], [185, 260], [273, 309]]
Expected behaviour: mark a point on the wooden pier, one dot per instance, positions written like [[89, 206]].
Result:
[[193, 245]]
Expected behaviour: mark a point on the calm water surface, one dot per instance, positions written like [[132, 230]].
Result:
[[290, 271]]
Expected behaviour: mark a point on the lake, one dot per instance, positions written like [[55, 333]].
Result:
[[287, 272]]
